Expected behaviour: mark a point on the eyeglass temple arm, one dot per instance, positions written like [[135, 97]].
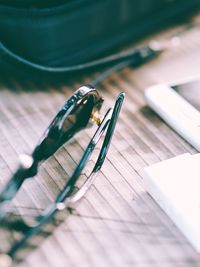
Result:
[[68, 189], [104, 150], [109, 133]]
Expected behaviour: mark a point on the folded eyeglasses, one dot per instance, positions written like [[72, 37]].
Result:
[[79, 110]]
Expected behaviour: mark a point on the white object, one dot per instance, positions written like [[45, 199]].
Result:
[[175, 186], [176, 110]]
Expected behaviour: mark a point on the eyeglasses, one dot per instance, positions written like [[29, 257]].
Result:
[[79, 111]]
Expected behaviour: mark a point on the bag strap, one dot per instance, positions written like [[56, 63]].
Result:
[[11, 57]]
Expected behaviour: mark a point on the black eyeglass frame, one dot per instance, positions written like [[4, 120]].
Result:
[[67, 197]]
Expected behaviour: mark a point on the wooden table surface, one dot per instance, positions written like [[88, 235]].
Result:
[[117, 223]]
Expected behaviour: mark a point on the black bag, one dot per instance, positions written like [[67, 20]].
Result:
[[55, 36]]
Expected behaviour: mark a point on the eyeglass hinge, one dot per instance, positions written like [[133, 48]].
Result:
[[96, 117]]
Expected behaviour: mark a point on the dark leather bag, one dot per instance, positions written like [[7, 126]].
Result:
[[53, 36]]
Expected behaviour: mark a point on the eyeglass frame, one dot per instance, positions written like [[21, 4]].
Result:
[[67, 197]]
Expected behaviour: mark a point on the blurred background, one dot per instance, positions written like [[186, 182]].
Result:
[[62, 34]]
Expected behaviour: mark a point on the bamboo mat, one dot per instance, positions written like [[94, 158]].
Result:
[[117, 223]]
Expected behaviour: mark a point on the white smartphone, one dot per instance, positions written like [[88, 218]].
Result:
[[179, 105]]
